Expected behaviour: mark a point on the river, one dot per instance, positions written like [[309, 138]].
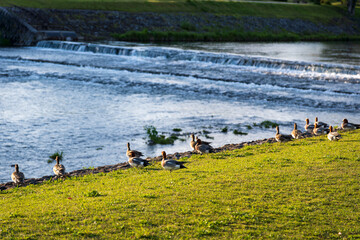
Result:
[[89, 100]]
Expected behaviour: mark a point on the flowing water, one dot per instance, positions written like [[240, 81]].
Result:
[[89, 100]]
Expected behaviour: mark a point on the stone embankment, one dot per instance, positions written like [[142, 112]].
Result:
[[15, 29], [19, 32], [92, 25], [109, 168]]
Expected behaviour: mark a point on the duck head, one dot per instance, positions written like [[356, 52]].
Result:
[[163, 153], [307, 121], [316, 119], [330, 128], [345, 120]]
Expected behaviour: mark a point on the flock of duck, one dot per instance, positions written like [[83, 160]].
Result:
[[199, 146]]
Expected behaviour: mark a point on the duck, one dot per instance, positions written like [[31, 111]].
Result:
[[192, 142], [137, 162], [345, 125], [137, 153], [171, 164], [318, 130], [333, 136], [281, 137], [58, 169], [17, 177], [321, 124], [309, 127], [201, 148], [296, 133], [202, 142]]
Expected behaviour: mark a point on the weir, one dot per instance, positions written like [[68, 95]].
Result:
[[216, 58], [16, 30]]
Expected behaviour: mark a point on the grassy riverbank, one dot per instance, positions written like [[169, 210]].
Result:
[[309, 11], [189, 20], [302, 189]]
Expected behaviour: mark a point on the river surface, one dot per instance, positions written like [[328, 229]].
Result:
[[89, 100]]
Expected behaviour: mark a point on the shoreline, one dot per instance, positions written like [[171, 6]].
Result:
[[125, 165]]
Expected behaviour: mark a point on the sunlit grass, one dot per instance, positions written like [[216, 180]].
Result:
[[308, 12], [307, 188]]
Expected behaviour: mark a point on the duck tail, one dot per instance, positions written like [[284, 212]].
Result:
[[182, 166]]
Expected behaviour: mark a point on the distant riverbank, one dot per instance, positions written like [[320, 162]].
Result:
[[271, 22]]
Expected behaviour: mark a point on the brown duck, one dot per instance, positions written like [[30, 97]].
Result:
[[17, 177], [129, 152], [58, 169], [171, 164], [281, 137], [137, 161], [333, 136]]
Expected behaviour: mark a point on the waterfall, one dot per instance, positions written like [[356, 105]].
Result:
[[216, 58]]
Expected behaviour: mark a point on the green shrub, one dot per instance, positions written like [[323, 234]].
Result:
[[187, 26]]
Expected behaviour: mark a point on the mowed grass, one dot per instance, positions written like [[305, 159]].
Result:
[[302, 189], [308, 12]]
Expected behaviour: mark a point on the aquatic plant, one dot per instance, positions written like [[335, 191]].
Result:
[[54, 155], [224, 130], [238, 132], [155, 138], [268, 124]]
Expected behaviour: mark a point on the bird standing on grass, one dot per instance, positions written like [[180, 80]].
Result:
[[309, 127], [171, 164], [318, 130], [137, 161], [345, 125], [296, 133], [58, 169], [321, 124], [202, 142], [201, 148], [333, 136], [281, 137], [17, 177], [192, 142], [129, 152]]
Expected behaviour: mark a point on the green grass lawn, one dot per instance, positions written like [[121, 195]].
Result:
[[303, 189], [309, 12]]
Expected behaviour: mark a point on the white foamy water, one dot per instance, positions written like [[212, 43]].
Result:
[[89, 100]]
